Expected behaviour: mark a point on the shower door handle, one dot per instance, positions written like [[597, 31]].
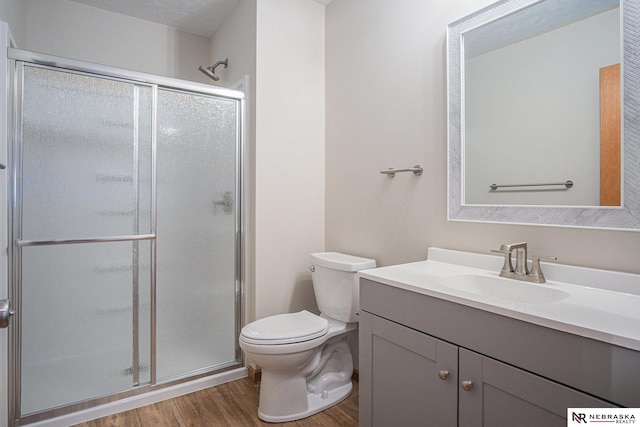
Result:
[[5, 313]]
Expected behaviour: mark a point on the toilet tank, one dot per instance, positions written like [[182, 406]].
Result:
[[335, 283]]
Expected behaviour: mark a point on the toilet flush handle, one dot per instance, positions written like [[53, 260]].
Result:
[[312, 268]]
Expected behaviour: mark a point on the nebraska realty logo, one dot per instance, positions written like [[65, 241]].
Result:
[[582, 416]]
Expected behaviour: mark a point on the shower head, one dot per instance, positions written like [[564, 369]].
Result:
[[211, 71]]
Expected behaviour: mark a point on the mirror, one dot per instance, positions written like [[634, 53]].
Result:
[[527, 98], [532, 104]]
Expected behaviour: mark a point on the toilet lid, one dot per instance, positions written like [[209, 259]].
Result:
[[285, 328]]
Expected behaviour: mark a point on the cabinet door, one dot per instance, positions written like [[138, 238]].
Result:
[[400, 376], [501, 395]]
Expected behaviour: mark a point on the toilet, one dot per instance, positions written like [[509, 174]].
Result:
[[305, 359]]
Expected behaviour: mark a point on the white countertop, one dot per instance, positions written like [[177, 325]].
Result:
[[599, 304]]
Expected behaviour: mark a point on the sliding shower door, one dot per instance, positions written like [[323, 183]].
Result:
[[126, 256], [85, 197]]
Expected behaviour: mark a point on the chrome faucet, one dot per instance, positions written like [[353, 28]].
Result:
[[521, 270]]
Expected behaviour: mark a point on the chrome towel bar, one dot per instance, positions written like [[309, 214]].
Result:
[[567, 184], [417, 171]]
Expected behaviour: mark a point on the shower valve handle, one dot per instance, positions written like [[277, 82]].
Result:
[[5, 313]]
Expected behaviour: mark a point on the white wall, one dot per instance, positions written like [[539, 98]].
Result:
[[13, 12], [386, 106], [544, 125], [74, 30], [289, 154], [235, 39]]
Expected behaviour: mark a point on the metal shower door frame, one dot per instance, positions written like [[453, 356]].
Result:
[[16, 60]]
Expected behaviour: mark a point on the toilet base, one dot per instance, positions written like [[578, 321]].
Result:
[[315, 403]]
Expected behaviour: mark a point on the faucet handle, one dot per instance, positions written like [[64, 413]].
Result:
[[536, 272], [511, 246], [507, 267]]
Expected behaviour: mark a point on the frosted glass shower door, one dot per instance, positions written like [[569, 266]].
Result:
[[83, 261], [125, 231], [196, 257]]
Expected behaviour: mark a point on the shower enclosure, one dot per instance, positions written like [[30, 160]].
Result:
[[126, 224]]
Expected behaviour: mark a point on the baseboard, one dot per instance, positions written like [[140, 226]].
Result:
[[255, 374]]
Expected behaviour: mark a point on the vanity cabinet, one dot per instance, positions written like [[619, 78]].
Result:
[[417, 352], [492, 393], [415, 376]]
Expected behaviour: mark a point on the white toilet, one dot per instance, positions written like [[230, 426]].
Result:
[[305, 359]]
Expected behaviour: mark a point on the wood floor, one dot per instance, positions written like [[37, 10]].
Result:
[[231, 404]]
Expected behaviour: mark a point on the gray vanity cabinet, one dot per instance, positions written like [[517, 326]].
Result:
[[501, 395], [417, 352], [410, 377]]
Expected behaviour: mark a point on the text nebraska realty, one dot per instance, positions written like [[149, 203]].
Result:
[[605, 418]]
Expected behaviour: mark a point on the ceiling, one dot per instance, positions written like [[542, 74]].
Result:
[[201, 17]]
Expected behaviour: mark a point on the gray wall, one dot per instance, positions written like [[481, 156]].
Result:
[[386, 106]]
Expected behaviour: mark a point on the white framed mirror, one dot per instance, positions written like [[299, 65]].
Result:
[[527, 140]]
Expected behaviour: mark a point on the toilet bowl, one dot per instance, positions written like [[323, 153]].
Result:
[[305, 358]]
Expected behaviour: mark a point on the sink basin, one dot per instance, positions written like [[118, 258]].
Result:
[[504, 289], [598, 304]]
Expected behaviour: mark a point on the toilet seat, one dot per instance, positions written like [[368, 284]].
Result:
[[286, 328]]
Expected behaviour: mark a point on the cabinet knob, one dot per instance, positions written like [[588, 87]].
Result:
[[443, 374], [466, 385]]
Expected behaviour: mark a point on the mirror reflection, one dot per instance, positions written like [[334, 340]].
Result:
[[541, 106]]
